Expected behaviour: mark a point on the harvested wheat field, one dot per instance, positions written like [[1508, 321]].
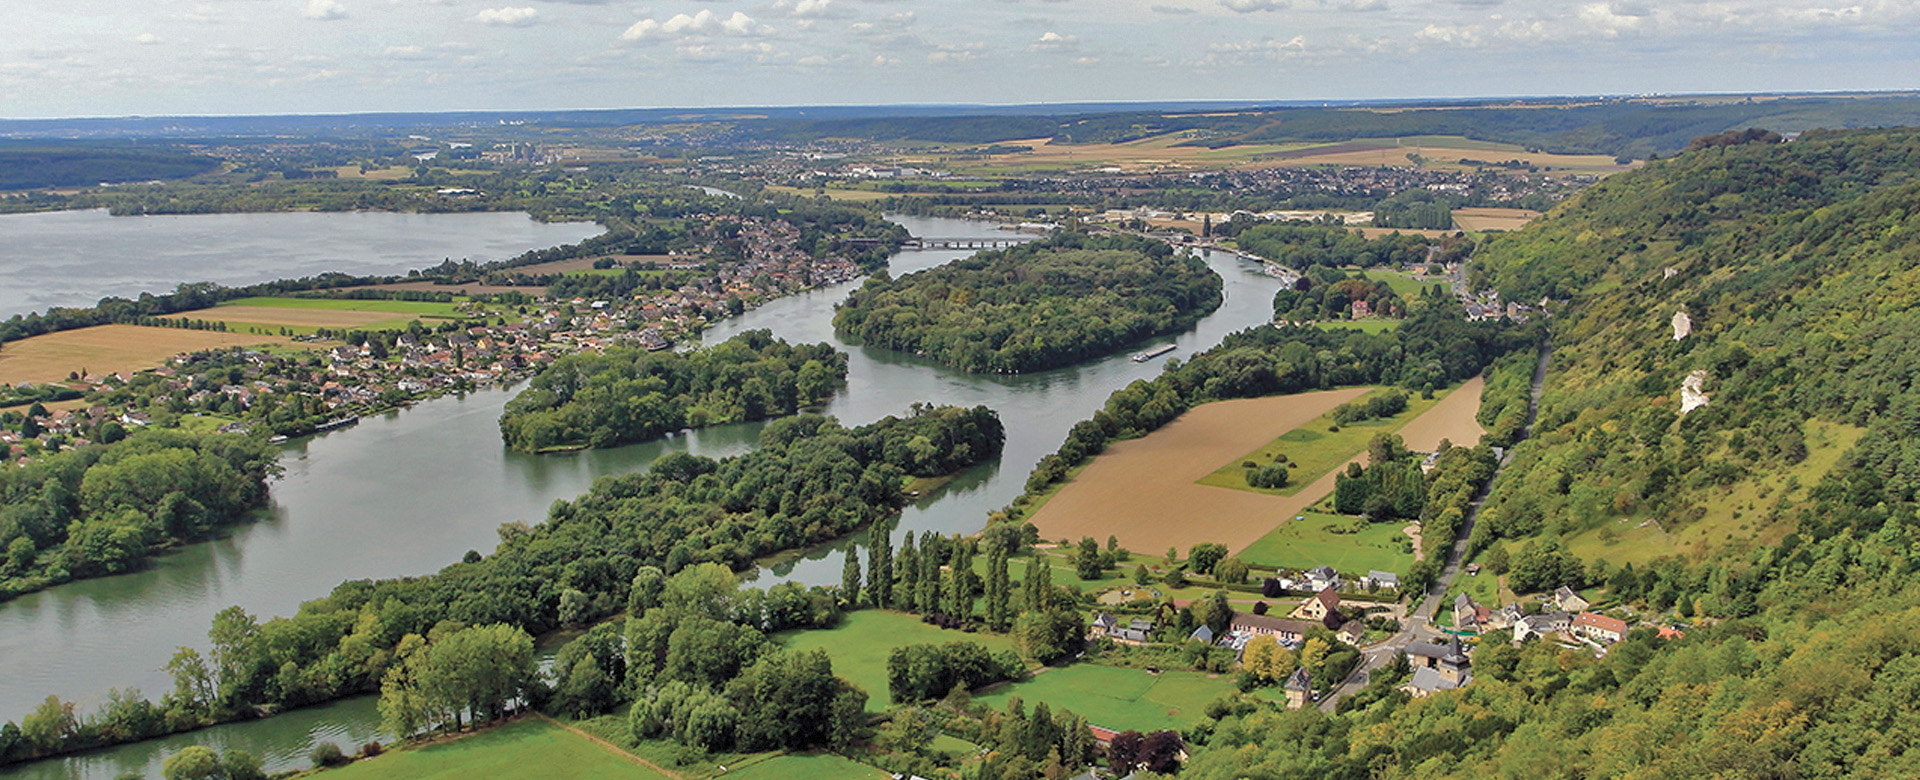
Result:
[[276, 315], [1451, 419], [1493, 219], [1143, 490], [106, 349]]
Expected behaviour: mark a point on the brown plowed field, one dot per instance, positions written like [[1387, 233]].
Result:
[[1451, 419], [1143, 490], [106, 349]]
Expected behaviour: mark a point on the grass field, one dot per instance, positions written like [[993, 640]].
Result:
[[531, 748], [860, 645], [1736, 512], [1120, 699], [106, 349], [304, 315], [808, 766], [1308, 542], [1145, 491], [1315, 449]]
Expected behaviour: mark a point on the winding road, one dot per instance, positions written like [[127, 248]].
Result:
[[1418, 627]]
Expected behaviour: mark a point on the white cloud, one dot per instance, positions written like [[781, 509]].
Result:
[[955, 53], [1610, 19], [1464, 36], [508, 17], [405, 53], [1251, 6], [811, 9], [146, 38], [705, 24], [323, 10], [1053, 41], [883, 61]]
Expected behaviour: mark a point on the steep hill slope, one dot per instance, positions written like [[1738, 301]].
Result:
[[1774, 525]]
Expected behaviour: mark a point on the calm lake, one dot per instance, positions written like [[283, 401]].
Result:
[[75, 258], [410, 492]]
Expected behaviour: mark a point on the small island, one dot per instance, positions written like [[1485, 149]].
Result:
[[1041, 305], [631, 394]]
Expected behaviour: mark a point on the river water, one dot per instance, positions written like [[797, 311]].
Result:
[[409, 492], [75, 258]]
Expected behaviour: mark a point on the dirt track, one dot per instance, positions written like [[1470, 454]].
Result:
[[1144, 492]]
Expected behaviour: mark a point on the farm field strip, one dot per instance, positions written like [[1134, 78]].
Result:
[[1315, 448], [1147, 492], [1144, 490], [106, 349]]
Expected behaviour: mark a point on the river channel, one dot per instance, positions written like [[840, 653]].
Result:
[[409, 492]]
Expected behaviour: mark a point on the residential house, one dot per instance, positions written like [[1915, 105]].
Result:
[[1323, 577], [1299, 688], [1507, 616], [1596, 626], [1288, 632], [1381, 580], [1318, 606], [1541, 625], [1104, 624], [1437, 667], [1353, 633], [1567, 600], [1468, 615], [1138, 630]]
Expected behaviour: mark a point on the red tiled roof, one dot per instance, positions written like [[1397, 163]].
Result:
[[1602, 622]]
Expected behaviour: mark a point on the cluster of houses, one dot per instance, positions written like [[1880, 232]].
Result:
[[1569, 616], [358, 378]]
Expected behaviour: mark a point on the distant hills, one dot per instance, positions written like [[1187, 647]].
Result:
[[1630, 127]]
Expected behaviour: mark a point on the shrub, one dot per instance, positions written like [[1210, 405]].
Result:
[[326, 754]]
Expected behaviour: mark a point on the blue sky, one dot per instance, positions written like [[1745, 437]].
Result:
[[118, 57]]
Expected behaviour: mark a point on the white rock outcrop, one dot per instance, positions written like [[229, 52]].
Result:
[[1692, 394], [1682, 325]]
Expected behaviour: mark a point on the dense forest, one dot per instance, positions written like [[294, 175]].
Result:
[[1041, 305], [628, 394], [35, 164], [103, 509], [1775, 523], [810, 480], [1300, 245]]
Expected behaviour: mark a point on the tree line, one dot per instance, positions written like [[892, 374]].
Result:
[[104, 509], [1040, 305], [810, 480], [629, 394]]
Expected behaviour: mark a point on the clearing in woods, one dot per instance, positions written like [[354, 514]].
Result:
[[1144, 491], [108, 349], [861, 643]]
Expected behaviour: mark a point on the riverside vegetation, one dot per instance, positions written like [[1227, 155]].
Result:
[[104, 509], [1040, 305], [628, 394], [810, 480]]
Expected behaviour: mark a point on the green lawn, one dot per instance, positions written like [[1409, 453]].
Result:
[[1120, 699], [1316, 450], [1404, 285], [530, 748], [1364, 326], [1306, 543], [1483, 587], [860, 645], [806, 766], [419, 308]]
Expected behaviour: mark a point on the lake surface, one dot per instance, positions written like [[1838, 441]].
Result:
[[75, 258], [410, 492]]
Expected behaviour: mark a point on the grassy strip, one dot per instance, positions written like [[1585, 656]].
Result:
[[1315, 449], [529, 748]]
